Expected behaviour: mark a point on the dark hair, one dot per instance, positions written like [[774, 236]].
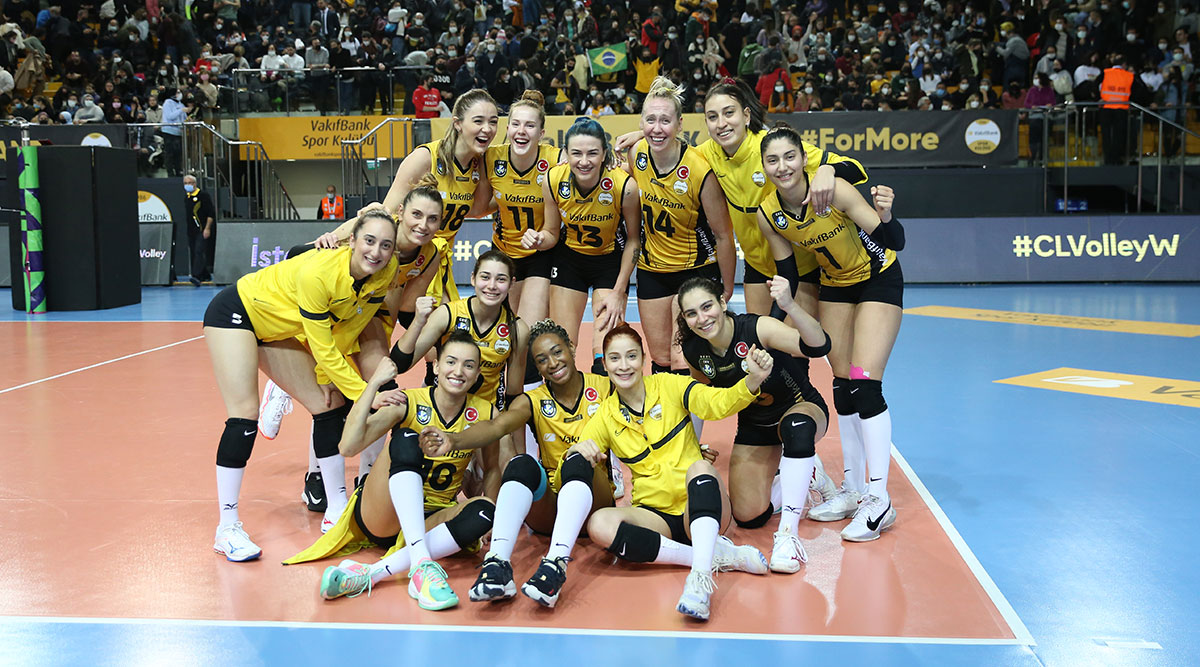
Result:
[[712, 287], [547, 327], [494, 255], [780, 130], [459, 336], [426, 190], [738, 91], [623, 329], [587, 127]]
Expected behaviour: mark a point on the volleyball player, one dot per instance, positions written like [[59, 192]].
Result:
[[551, 495], [860, 307], [685, 222], [679, 504], [328, 297], [595, 204], [514, 176], [418, 494], [788, 417]]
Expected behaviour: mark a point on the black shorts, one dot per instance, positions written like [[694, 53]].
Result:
[[652, 285], [579, 272], [756, 435], [226, 311], [536, 265], [383, 542], [674, 522], [886, 287], [751, 276]]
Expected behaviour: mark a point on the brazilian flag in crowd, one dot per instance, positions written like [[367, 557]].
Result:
[[607, 59]]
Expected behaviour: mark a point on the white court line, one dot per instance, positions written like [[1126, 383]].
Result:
[[102, 363], [492, 629], [993, 591]]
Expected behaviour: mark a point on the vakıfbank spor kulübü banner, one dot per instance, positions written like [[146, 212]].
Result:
[[320, 137], [912, 138]]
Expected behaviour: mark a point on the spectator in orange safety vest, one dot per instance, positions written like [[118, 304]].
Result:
[[332, 206]]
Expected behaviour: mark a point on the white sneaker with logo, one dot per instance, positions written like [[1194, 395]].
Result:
[[233, 542], [842, 505], [874, 516], [728, 556], [275, 404], [788, 555], [697, 590]]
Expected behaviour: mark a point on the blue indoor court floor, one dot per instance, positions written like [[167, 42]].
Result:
[[1051, 430]]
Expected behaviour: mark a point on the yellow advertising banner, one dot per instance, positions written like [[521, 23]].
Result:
[[694, 130], [320, 137], [1169, 391]]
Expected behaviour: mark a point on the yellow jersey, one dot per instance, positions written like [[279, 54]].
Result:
[[496, 345], [313, 295], [675, 233], [594, 221], [443, 474], [847, 254], [427, 258], [457, 185], [557, 426], [518, 196], [659, 445], [746, 185]]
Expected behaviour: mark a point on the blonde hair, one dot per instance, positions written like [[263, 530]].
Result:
[[664, 88], [531, 99], [445, 154]]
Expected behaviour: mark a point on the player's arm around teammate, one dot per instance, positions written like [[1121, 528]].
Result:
[[253, 325], [860, 306], [680, 505]]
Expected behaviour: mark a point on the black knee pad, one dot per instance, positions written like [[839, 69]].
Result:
[[237, 441], [635, 543], [758, 521], [472, 523], [525, 470], [868, 397], [799, 435], [576, 468], [704, 498], [659, 368], [405, 452], [843, 400], [327, 431], [299, 250]]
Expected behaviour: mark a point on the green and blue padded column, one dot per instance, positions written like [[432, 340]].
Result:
[[31, 231]]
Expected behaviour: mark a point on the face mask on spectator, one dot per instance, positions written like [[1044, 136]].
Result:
[[116, 105], [453, 29], [672, 35], [983, 87], [204, 77], [116, 60], [882, 9], [418, 21], [1052, 55], [855, 13], [697, 76], [974, 104], [891, 42], [619, 92], [470, 64], [885, 90], [72, 103], [1162, 46], [113, 28], [1082, 34], [491, 48], [453, 53], [921, 54], [188, 187], [808, 90], [779, 88], [89, 104], [178, 97], [330, 195], [1125, 4], [1162, 10], [1176, 56], [850, 37]]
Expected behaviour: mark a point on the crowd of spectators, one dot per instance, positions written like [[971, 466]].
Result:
[[128, 60]]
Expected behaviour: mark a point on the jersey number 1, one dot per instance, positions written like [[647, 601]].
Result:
[[828, 255], [662, 223], [516, 212]]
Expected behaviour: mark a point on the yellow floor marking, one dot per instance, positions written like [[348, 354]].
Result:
[[1113, 385], [1066, 321]]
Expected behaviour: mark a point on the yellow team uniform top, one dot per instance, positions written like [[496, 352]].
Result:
[[444, 474], [457, 185], [313, 295], [847, 254], [495, 346], [646, 71], [429, 255], [659, 445], [518, 196], [675, 233], [594, 221], [557, 426], [746, 186]]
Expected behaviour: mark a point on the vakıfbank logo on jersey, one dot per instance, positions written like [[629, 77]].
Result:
[[982, 136]]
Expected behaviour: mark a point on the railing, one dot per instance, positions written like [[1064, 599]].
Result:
[[1078, 124], [240, 175], [283, 90], [364, 165]]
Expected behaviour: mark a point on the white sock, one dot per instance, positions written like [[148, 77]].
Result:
[[877, 441], [229, 487], [312, 456], [674, 553], [408, 497], [704, 542], [512, 506], [777, 492], [854, 462], [333, 476], [439, 542], [574, 503], [796, 476], [367, 458]]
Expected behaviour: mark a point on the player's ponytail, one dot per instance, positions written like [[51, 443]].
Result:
[[664, 88], [531, 99]]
